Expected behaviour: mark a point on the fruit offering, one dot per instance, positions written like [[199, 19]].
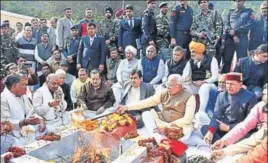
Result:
[[50, 137], [116, 120], [174, 133], [155, 150], [131, 135], [87, 125], [16, 151]]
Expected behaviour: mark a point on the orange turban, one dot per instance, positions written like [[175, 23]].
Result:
[[197, 47]]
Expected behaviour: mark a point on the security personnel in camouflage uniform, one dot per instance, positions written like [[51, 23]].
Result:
[[207, 27], [8, 49], [11, 31], [162, 35], [148, 26], [107, 29], [238, 23]]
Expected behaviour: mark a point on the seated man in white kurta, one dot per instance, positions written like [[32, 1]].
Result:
[[49, 103], [16, 108]]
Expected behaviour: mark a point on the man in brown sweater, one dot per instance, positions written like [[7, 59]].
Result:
[[177, 103], [95, 94]]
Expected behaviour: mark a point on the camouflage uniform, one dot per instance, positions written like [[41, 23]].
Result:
[[107, 29], [210, 24], [11, 31], [8, 51], [162, 28], [163, 36]]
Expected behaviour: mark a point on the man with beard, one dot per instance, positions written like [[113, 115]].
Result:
[[107, 29], [82, 25], [162, 35], [130, 29], [43, 50], [63, 28]]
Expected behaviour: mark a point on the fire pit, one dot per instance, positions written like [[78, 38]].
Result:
[[79, 146]]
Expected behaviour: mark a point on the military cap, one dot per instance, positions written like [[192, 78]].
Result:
[[9, 65], [63, 63], [163, 4], [150, 1], [265, 109], [108, 9], [74, 27]]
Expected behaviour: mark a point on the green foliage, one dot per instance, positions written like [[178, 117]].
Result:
[[48, 9]]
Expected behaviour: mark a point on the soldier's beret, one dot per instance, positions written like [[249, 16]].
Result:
[[74, 27], [9, 65], [108, 9], [119, 12], [163, 4], [150, 1], [234, 76], [4, 24]]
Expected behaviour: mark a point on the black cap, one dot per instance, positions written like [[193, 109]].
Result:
[[4, 24], [108, 9], [74, 27], [163, 4], [265, 108]]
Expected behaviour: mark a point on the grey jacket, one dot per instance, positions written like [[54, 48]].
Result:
[[63, 31]]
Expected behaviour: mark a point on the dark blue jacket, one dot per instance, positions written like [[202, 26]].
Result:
[[240, 21], [256, 34], [253, 74], [148, 27], [181, 19], [232, 110], [150, 68], [95, 53], [127, 35]]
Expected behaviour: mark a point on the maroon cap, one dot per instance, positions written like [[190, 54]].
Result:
[[119, 12], [234, 76]]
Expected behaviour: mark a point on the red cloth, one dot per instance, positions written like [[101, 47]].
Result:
[[119, 13], [212, 129], [177, 147], [84, 29], [236, 77]]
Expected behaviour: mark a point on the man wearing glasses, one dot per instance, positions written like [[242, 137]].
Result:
[[178, 104], [49, 103]]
